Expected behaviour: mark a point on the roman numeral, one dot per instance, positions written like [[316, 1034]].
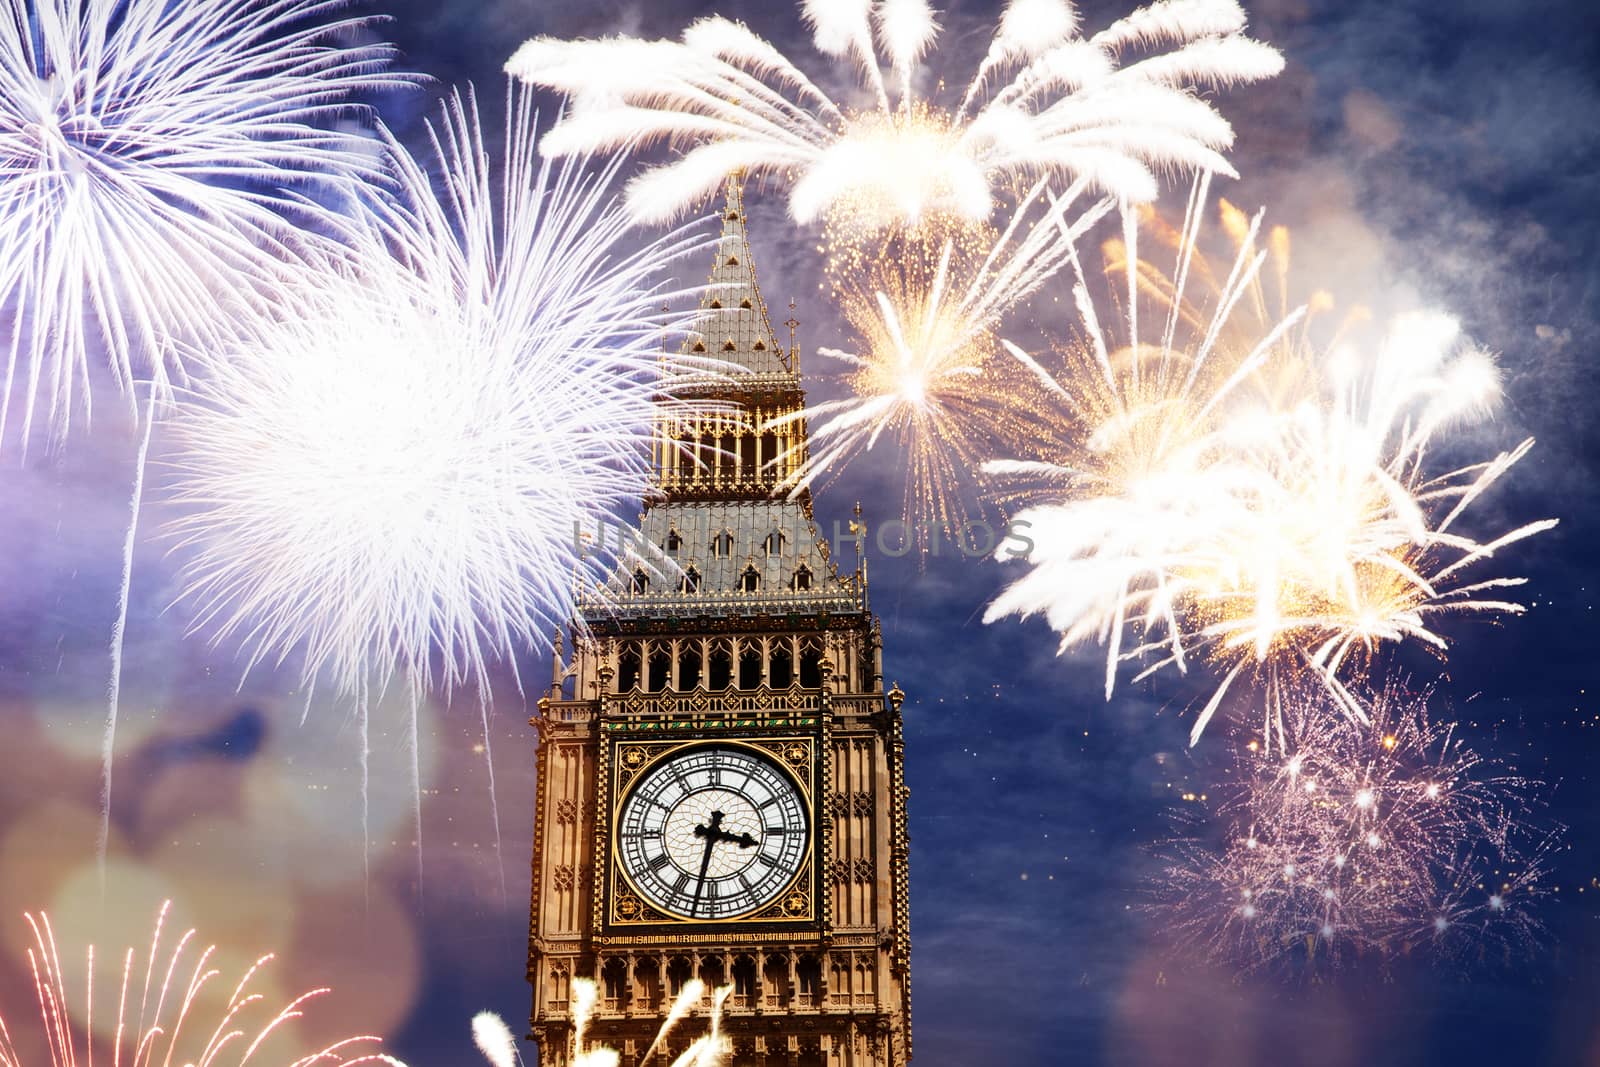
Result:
[[660, 861], [682, 884], [768, 860]]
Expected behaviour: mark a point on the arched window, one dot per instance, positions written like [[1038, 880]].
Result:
[[729, 346], [744, 980], [750, 667], [641, 582], [775, 542], [801, 580], [863, 984], [733, 261], [722, 545], [745, 303], [719, 666], [808, 972], [699, 346], [674, 542], [679, 971], [614, 979], [811, 663], [760, 346], [715, 305], [689, 666], [750, 580], [628, 668], [780, 668], [776, 976], [660, 669], [711, 973], [690, 582], [647, 983]]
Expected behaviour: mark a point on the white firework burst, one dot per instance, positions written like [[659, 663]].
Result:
[[395, 478], [1231, 492], [157, 162], [1113, 107]]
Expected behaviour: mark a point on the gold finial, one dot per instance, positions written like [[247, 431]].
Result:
[[896, 697]]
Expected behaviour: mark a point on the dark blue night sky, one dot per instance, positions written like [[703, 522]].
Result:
[[1427, 153]]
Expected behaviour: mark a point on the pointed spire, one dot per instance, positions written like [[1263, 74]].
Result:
[[735, 327]]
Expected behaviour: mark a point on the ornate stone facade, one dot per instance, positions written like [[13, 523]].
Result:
[[729, 624]]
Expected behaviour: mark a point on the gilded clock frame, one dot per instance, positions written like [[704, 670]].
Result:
[[619, 906]]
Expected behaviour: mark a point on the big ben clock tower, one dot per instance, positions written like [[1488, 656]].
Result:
[[721, 790]]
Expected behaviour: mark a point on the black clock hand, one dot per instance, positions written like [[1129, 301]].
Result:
[[712, 834], [743, 840]]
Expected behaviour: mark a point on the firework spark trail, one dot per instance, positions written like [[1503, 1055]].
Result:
[[495, 1041], [1246, 499], [108, 738], [1356, 839], [386, 483], [927, 308], [165, 1009], [156, 164], [1074, 107], [494, 796]]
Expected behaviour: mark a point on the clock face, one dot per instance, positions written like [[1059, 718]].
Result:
[[713, 832]]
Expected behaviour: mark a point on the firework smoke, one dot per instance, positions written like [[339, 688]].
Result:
[[164, 1015], [1111, 108], [1354, 839], [158, 162]]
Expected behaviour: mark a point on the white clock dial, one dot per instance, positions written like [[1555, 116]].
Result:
[[713, 832]]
